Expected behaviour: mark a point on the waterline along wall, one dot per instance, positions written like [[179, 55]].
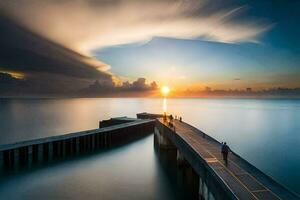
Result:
[[193, 149], [209, 187], [116, 131]]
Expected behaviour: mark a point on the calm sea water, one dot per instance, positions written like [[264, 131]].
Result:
[[264, 132]]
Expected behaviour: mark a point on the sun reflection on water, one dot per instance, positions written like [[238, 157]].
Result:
[[165, 105]]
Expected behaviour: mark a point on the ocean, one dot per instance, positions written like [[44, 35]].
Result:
[[265, 132]]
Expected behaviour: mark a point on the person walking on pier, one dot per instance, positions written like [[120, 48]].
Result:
[[225, 151], [171, 118]]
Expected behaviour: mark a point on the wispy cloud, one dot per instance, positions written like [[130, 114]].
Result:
[[43, 41], [84, 25]]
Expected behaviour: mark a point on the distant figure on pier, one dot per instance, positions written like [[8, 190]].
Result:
[[165, 117], [180, 119], [225, 151], [171, 118]]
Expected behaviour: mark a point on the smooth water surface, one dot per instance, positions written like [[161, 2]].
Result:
[[131, 172], [264, 132]]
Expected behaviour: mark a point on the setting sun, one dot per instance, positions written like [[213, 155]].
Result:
[[165, 90]]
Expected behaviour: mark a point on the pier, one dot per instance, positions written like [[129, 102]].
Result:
[[193, 149], [111, 132], [238, 180]]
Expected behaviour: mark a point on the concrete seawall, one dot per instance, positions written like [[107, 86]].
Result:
[[26, 153], [216, 180]]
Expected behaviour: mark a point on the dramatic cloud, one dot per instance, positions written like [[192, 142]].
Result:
[[44, 66], [107, 88], [48, 43], [27, 52], [84, 25]]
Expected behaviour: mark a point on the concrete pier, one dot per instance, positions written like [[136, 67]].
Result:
[[115, 132], [238, 180], [193, 151]]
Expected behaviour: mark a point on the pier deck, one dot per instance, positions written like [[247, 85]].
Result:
[[243, 179]]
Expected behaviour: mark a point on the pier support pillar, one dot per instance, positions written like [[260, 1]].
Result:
[[97, 141], [81, 144], [181, 161], [71, 141], [51, 150], [8, 157], [1, 160], [163, 141], [30, 156], [68, 147], [74, 146], [204, 193], [23, 156], [210, 196], [104, 140], [35, 156], [16, 158], [63, 148], [85, 142], [107, 140], [93, 141], [77, 145], [200, 188], [40, 153], [55, 149], [45, 147]]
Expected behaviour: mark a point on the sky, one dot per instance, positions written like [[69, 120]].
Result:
[[98, 47]]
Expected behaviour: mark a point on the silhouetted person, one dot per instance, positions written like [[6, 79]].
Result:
[[165, 117], [171, 118], [225, 151], [180, 119]]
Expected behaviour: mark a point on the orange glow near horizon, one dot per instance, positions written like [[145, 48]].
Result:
[[165, 90], [17, 75]]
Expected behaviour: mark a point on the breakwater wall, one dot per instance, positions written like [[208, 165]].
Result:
[[30, 152]]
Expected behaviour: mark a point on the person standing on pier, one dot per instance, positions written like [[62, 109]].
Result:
[[225, 151], [165, 117]]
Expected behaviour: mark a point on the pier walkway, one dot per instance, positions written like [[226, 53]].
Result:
[[243, 179]]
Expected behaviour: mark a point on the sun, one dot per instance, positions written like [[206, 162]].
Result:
[[165, 90]]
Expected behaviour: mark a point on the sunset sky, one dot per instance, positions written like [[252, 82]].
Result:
[[63, 46]]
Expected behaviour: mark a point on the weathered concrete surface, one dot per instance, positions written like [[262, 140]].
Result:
[[238, 180]]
